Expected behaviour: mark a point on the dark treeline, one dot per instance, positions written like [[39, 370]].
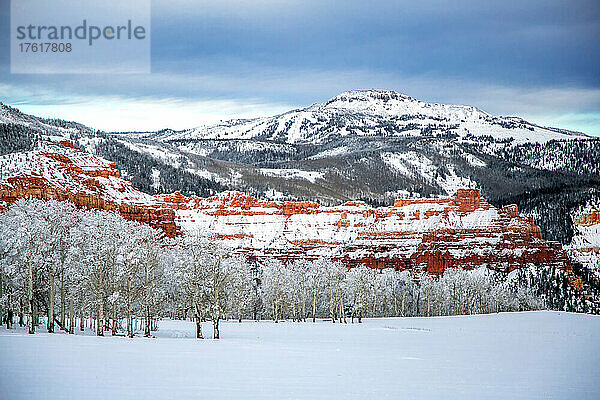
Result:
[[17, 138], [139, 169]]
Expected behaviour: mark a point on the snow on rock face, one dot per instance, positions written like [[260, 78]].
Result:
[[374, 113], [60, 172], [431, 234], [585, 246]]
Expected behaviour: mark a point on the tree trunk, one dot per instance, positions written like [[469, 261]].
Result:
[[82, 322], [303, 316], [129, 323], [36, 313], [294, 314], [216, 328], [374, 303], [100, 319], [331, 305], [71, 317], [62, 298], [402, 306], [198, 327], [30, 300], [129, 312], [342, 311], [114, 319], [147, 324], [314, 305], [428, 308], [147, 301], [428, 304], [454, 299]]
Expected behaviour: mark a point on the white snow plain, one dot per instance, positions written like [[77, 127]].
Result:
[[529, 355]]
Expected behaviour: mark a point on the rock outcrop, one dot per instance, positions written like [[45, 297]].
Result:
[[462, 231], [60, 172], [585, 246]]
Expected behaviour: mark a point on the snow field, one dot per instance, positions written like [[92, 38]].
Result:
[[530, 355]]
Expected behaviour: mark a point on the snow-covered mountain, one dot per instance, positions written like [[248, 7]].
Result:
[[374, 146], [373, 113]]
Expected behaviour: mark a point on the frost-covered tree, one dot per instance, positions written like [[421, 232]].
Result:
[[220, 271], [315, 282], [191, 255], [101, 242], [211, 279], [299, 281], [241, 288], [130, 276], [357, 286], [61, 219], [150, 256], [335, 273], [26, 239], [275, 287]]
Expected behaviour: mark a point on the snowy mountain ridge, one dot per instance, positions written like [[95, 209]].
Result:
[[373, 113], [54, 129]]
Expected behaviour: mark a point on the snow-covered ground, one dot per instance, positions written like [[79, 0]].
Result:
[[533, 355]]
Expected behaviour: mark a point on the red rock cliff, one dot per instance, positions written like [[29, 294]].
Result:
[[463, 231], [87, 181]]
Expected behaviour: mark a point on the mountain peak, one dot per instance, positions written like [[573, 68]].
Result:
[[369, 95]]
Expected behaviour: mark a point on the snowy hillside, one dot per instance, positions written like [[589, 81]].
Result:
[[55, 129], [373, 113]]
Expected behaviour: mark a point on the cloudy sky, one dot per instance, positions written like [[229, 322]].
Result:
[[216, 60]]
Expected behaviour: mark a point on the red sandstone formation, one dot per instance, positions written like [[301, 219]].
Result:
[[585, 246], [430, 234], [590, 219], [87, 181], [425, 234]]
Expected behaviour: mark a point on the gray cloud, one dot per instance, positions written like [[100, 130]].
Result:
[[536, 59], [265, 91]]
